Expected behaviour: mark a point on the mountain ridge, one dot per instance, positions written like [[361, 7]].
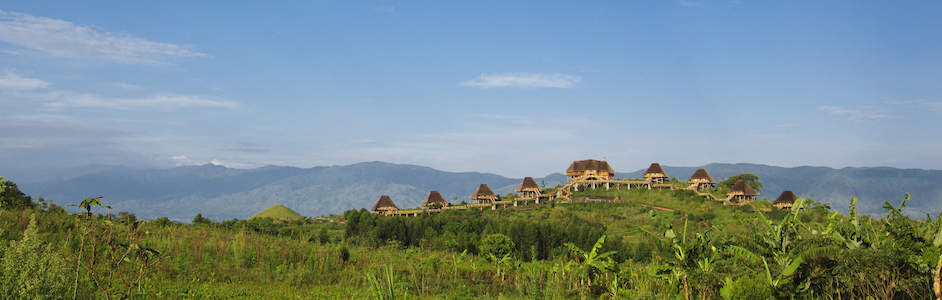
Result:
[[221, 193]]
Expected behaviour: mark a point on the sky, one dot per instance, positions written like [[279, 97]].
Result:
[[515, 88]]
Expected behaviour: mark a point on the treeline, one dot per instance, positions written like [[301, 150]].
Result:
[[460, 230]]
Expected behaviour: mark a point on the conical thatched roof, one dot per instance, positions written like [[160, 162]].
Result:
[[590, 165], [384, 203], [483, 192], [701, 175], [528, 185], [433, 197], [743, 188], [786, 197], [655, 171]]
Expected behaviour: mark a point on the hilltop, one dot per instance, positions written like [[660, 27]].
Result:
[[278, 212]]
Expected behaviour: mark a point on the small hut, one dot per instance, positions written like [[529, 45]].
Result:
[[528, 189], [785, 200], [702, 179], [483, 195], [742, 192], [434, 200], [656, 174], [599, 169], [384, 204]]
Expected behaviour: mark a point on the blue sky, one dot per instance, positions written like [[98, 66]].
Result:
[[512, 88]]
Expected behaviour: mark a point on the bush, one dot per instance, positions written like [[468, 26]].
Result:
[[31, 269], [496, 244]]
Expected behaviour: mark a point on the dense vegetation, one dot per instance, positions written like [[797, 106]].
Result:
[[655, 245]]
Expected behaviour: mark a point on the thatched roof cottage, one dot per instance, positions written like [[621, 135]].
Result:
[[742, 192], [483, 195], [384, 204], [786, 200], [434, 200], [656, 174], [580, 168], [702, 179]]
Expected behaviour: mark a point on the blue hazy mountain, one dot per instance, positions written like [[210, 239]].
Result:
[[223, 193]]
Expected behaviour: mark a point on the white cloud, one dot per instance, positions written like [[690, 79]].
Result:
[[524, 80], [65, 39], [859, 115], [156, 102], [12, 81]]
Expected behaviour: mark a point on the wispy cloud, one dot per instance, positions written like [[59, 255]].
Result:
[[524, 80], [688, 3], [783, 126], [860, 115], [13, 81], [163, 102], [926, 104], [65, 39], [246, 147], [514, 119]]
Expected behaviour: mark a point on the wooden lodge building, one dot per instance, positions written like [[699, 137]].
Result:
[[384, 205], [434, 200], [590, 168], [656, 174], [528, 189], [483, 195], [742, 193], [702, 179], [786, 200]]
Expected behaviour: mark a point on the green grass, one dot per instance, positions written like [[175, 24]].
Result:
[[278, 212]]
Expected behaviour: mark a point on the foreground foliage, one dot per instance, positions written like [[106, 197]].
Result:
[[656, 245]]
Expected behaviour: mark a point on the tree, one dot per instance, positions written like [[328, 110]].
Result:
[[751, 179], [497, 244], [11, 197]]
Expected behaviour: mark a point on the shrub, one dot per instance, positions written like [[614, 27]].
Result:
[[31, 269], [496, 244]]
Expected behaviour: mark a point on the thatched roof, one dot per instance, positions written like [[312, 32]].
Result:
[[743, 188], [655, 170], [590, 165], [433, 197], [483, 192], [384, 202], [701, 175], [528, 185], [786, 197]]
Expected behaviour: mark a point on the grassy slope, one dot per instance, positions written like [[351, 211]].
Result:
[[278, 212]]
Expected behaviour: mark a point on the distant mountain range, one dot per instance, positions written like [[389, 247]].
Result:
[[222, 193]]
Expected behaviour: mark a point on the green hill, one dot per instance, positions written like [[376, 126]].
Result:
[[278, 212]]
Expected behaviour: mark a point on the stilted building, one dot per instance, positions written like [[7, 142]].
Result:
[[483, 195], [590, 169], [656, 174], [528, 189], [434, 200], [383, 205], [702, 179], [786, 200], [742, 193]]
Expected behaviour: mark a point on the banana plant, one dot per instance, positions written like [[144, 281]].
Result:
[[592, 263], [690, 255]]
